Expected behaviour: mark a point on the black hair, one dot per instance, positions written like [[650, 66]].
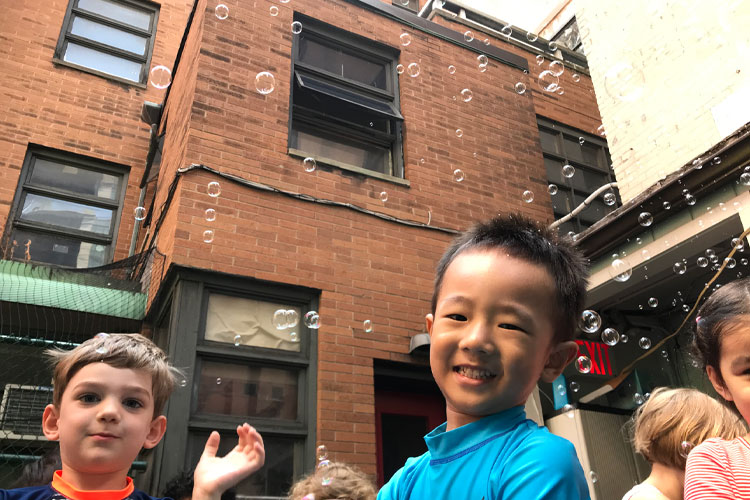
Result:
[[524, 239], [40, 472], [181, 486], [718, 312]]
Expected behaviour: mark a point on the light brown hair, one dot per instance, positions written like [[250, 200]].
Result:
[[673, 416], [346, 483], [119, 350]]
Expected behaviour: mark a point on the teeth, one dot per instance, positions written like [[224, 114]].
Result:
[[474, 373]]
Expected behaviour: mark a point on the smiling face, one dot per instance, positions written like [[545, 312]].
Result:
[[492, 334], [104, 418], [734, 365]]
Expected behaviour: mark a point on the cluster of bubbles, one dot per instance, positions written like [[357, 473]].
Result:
[[323, 466], [214, 191], [284, 319]]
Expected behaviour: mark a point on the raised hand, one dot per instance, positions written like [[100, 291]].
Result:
[[214, 475]]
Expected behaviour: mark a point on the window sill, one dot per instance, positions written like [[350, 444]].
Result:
[[350, 168], [131, 83]]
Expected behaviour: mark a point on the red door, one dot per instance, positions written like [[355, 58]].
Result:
[[401, 421]]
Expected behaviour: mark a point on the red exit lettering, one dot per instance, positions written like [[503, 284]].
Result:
[[598, 353]]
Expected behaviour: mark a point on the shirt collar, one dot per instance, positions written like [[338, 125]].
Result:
[[69, 491]]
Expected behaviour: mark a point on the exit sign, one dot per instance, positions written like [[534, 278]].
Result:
[[598, 353]]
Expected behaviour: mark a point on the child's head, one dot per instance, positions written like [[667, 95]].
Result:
[[722, 342], [671, 417], [505, 306], [346, 483], [108, 396]]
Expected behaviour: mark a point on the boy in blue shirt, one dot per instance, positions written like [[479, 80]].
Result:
[[504, 313], [107, 401]]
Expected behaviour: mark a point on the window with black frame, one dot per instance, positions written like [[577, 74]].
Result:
[[345, 107], [588, 155], [570, 37], [111, 38], [66, 210]]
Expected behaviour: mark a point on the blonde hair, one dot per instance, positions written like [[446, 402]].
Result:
[[346, 482], [671, 417], [119, 350]]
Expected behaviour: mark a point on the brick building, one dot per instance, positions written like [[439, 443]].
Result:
[[419, 125]]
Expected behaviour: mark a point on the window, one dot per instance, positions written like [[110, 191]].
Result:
[[66, 210], [569, 37], [345, 106], [113, 38], [411, 5], [562, 145]]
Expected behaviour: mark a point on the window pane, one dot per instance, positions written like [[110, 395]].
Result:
[[66, 214], [106, 63], [57, 250], [75, 179], [272, 480], [118, 12], [109, 35], [245, 390], [252, 320], [369, 157], [549, 141], [342, 63], [592, 154]]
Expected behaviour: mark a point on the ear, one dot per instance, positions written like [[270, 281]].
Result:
[[560, 355], [428, 321], [716, 381], [155, 432], [49, 422]]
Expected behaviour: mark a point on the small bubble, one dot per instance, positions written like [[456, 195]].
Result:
[[400, 69], [309, 164], [237, 340], [552, 189], [218, 380], [139, 213], [296, 27], [556, 68], [576, 77], [458, 175], [482, 69], [482, 60], [527, 196], [552, 47], [679, 267], [738, 244], [274, 11], [590, 321], [486, 41], [322, 453], [161, 77], [690, 199], [583, 364], [459, 132], [702, 262], [685, 448], [644, 343], [222, 11], [620, 270], [507, 30], [413, 70], [581, 140], [208, 236], [624, 339], [293, 337], [367, 326], [280, 321], [213, 189], [210, 214], [685, 307], [730, 262], [568, 170], [264, 82], [666, 205], [292, 318], [710, 252], [469, 36], [561, 389], [521, 88], [594, 477], [609, 199], [745, 178], [312, 320], [383, 196], [451, 69], [653, 302], [405, 39], [610, 336], [638, 399], [602, 131], [645, 219], [183, 382], [743, 262], [548, 82], [540, 59], [532, 37], [574, 386], [560, 91], [716, 160], [466, 95]]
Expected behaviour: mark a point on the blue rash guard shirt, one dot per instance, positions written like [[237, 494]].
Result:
[[503, 456]]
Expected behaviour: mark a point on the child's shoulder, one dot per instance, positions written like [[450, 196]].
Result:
[[29, 493]]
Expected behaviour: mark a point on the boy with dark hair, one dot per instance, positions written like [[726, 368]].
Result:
[[507, 297], [107, 401]]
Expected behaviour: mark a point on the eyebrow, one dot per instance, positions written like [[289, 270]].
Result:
[[126, 388], [460, 300], [740, 361]]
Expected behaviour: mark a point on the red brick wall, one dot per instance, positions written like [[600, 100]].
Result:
[[68, 109]]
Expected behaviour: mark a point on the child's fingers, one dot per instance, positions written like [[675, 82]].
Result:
[[212, 445]]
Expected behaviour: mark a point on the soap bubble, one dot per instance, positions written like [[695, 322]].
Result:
[[367, 325], [638, 399], [413, 70], [210, 214], [264, 82], [213, 189], [666, 205], [383, 196], [653, 302], [161, 77], [552, 46], [716, 160], [645, 219], [560, 90], [594, 477], [738, 244], [139, 213], [521, 88], [624, 339], [237, 340], [482, 60], [208, 236], [405, 39], [574, 386], [561, 389], [568, 410], [322, 453], [292, 318], [685, 307], [576, 77], [293, 337], [312, 320], [222, 11], [581, 140], [102, 338], [548, 82], [459, 133], [610, 336], [556, 68], [568, 170], [218, 380], [280, 321], [552, 189], [458, 175], [451, 69], [601, 130], [466, 95], [583, 364], [309, 164], [469, 36], [400, 69], [527, 196], [644, 343], [540, 59], [183, 382], [702, 262], [679, 267], [685, 448], [730, 262], [620, 270], [624, 82], [690, 199], [609, 199], [532, 37], [590, 321], [745, 178], [507, 30], [274, 11], [296, 27]]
